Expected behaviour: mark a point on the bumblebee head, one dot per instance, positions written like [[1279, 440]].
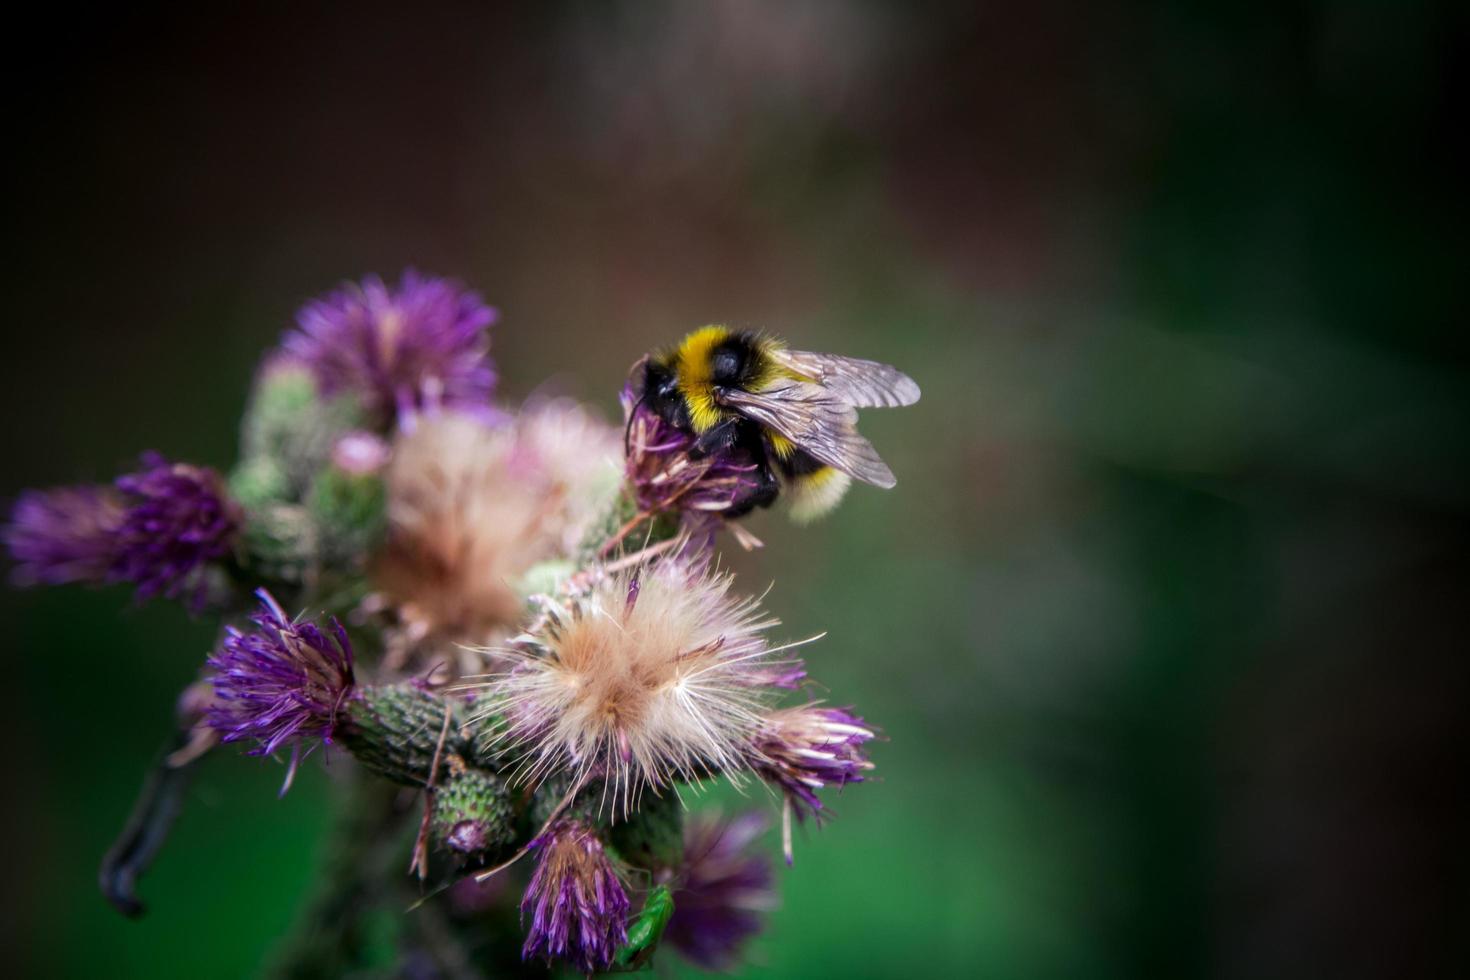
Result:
[[660, 392], [659, 381], [685, 384]]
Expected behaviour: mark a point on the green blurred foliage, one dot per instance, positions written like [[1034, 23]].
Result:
[[1159, 622]]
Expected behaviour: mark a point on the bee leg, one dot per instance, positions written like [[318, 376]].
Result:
[[765, 493], [716, 439], [762, 495]]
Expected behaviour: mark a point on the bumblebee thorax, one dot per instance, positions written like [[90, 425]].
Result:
[[716, 357]]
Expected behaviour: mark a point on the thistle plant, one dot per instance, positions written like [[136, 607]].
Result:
[[508, 630]]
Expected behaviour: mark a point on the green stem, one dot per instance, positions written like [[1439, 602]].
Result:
[[364, 844]]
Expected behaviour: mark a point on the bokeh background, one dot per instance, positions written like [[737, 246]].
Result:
[[1164, 621]]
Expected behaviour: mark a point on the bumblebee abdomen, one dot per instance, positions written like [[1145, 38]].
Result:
[[812, 487]]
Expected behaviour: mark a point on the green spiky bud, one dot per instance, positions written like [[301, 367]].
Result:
[[280, 541], [349, 511], [258, 482], [290, 423], [284, 392], [620, 512], [550, 794], [395, 730], [473, 814]]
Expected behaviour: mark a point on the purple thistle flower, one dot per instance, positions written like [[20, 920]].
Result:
[[722, 891], [578, 907], [281, 683], [178, 520], [665, 479], [68, 534], [157, 528], [421, 345], [801, 750]]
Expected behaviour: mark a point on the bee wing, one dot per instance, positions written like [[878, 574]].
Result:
[[865, 384], [819, 422]]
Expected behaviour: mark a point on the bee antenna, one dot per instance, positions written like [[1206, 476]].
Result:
[[628, 426]]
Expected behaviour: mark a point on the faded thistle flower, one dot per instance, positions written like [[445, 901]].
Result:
[[576, 902], [722, 889], [281, 683], [472, 507], [68, 534], [804, 749], [179, 519], [422, 344], [663, 477], [647, 676]]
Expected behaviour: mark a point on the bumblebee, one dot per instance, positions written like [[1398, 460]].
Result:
[[793, 413]]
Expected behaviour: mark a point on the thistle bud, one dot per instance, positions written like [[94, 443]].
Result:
[[279, 542], [472, 814], [284, 393], [395, 729], [653, 835], [293, 424], [260, 481], [348, 510]]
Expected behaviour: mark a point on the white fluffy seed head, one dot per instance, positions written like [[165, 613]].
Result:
[[473, 506], [647, 676]]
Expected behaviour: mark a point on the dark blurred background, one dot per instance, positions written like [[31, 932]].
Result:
[[1164, 620]]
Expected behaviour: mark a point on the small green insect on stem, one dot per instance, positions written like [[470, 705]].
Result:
[[647, 930]]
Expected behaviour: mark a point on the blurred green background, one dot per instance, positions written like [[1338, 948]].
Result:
[[1164, 620]]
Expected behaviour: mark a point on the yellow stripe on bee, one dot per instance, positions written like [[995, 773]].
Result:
[[824, 475], [695, 356], [693, 362], [696, 352], [772, 372], [781, 447]]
